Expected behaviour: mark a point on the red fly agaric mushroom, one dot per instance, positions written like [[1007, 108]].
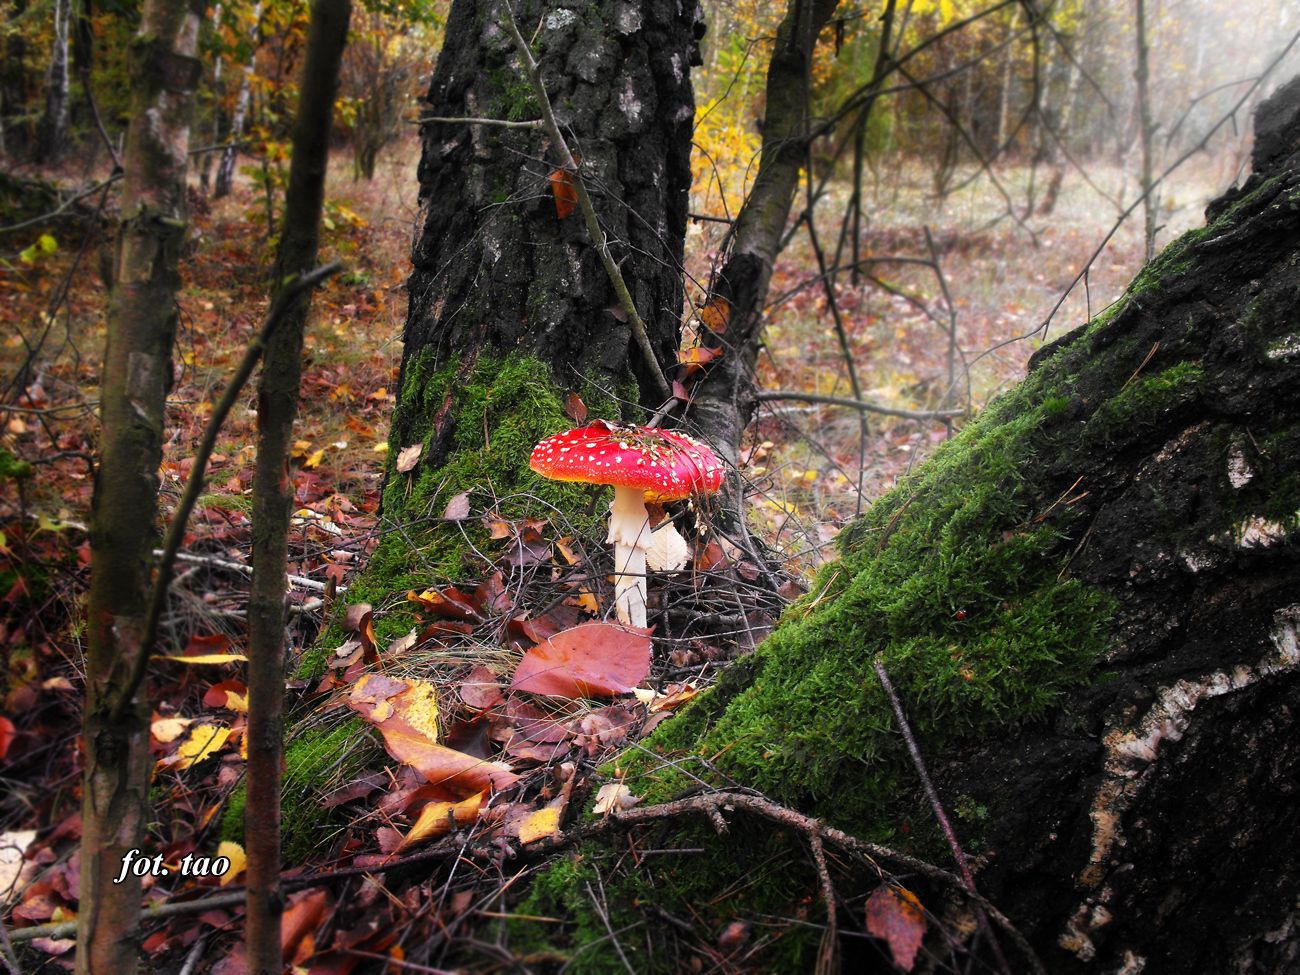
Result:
[[642, 464]]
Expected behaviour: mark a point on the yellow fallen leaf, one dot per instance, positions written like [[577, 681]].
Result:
[[436, 818], [210, 658], [238, 861], [539, 824], [313, 461], [204, 741]]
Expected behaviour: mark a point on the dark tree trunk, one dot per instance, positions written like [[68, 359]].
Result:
[[136, 376], [1089, 602], [723, 401], [495, 270], [273, 491]]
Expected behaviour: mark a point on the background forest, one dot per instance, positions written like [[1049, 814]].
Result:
[[1001, 188]]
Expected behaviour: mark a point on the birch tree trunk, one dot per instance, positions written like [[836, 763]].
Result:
[[226, 168], [54, 125], [136, 376]]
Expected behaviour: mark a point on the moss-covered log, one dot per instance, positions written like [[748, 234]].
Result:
[[1089, 602]]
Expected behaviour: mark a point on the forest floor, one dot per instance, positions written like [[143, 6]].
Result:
[[1003, 278]]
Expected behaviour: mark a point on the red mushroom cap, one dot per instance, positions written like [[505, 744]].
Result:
[[665, 464]]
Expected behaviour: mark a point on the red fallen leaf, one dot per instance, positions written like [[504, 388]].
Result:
[[302, 917], [895, 915], [710, 557], [493, 595], [590, 660], [715, 313], [565, 193], [440, 628], [618, 311], [200, 646], [541, 629], [605, 728], [575, 409], [480, 689], [470, 737], [450, 603], [528, 721], [696, 358], [356, 789], [360, 620], [7, 735], [680, 391], [219, 695]]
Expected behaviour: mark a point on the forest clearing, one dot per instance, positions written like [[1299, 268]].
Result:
[[944, 618]]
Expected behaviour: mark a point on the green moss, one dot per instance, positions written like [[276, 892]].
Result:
[[1141, 402], [314, 759], [496, 413], [11, 468]]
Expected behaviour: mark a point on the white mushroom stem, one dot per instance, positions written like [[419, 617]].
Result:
[[629, 531]]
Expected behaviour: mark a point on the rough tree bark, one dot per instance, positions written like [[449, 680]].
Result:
[[137, 374], [509, 302], [277, 406], [1088, 604]]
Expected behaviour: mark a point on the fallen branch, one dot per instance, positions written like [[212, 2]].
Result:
[[302, 582], [780, 394]]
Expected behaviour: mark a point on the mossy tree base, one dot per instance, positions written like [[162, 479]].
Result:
[[1089, 602]]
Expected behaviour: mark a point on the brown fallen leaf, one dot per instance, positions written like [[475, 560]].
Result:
[[408, 457], [895, 915], [302, 916], [406, 714], [715, 313], [589, 660], [565, 193]]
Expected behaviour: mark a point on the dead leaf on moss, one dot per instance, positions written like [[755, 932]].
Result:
[[408, 457]]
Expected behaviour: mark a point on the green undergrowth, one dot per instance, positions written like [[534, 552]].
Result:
[[496, 412]]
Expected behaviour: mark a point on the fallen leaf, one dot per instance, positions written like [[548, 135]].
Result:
[[667, 551], [480, 689], [540, 823], [408, 457], [457, 508], [204, 741], [715, 313], [613, 796], [565, 193], [450, 603], [169, 729], [575, 409], [406, 714], [696, 358], [301, 918], [589, 660], [436, 817], [230, 694], [7, 735], [238, 861], [895, 915], [210, 658], [314, 459]]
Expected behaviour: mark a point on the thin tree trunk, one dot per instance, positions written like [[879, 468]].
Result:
[[54, 125], [226, 168], [723, 401], [218, 111], [1146, 132], [277, 405], [137, 374], [1008, 78]]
